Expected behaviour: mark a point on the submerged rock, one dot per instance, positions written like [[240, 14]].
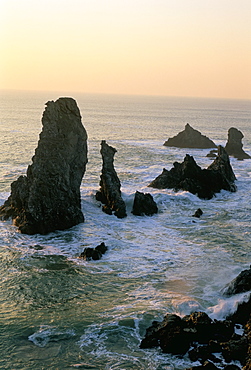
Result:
[[205, 183], [144, 204], [48, 197], [190, 138], [234, 144], [110, 193]]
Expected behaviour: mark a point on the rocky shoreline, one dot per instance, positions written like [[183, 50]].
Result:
[[211, 342]]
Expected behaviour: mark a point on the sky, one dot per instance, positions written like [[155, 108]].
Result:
[[198, 48]]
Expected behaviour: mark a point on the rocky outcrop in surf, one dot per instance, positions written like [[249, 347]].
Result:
[[110, 193], [202, 338], [234, 146], [190, 138], [205, 183], [48, 197], [144, 204], [94, 253]]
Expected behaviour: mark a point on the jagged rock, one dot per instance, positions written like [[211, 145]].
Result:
[[241, 284], [48, 197], [144, 204], [190, 177], [234, 144], [109, 193], [176, 335], [235, 350], [190, 138], [94, 253], [198, 213]]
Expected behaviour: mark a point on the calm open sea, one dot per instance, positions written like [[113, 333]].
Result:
[[60, 312]]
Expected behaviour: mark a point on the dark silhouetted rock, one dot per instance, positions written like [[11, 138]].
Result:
[[234, 144], [241, 284], [109, 193], [198, 213], [48, 197], [144, 204], [190, 138], [176, 335], [205, 183], [235, 350], [94, 253]]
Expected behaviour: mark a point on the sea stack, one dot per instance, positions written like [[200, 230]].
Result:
[[234, 144], [110, 193], [48, 197], [190, 177], [190, 138]]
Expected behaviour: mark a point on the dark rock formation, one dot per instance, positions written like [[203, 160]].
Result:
[[234, 144], [200, 337], [94, 253], [48, 197], [190, 177], [109, 193], [241, 284], [198, 213], [190, 138], [144, 204]]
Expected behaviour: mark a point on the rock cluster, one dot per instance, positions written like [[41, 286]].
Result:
[[48, 197], [144, 204], [190, 138], [110, 193], [234, 144], [201, 337], [190, 177]]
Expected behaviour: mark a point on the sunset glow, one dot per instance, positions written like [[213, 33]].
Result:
[[150, 47]]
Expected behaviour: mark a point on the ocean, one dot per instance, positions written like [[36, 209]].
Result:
[[61, 312]]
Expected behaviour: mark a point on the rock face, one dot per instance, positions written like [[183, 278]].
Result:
[[190, 138], [144, 204], [110, 193], [48, 197], [234, 144], [190, 177]]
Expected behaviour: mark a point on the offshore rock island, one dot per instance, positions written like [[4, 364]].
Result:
[[190, 138], [234, 146], [109, 193], [204, 183], [48, 197]]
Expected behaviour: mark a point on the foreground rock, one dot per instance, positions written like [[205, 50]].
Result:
[[202, 338], [110, 193], [144, 204], [94, 253], [48, 197], [234, 144], [190, 138], [190, 177]]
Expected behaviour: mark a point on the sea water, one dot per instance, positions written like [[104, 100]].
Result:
[[61, 312]]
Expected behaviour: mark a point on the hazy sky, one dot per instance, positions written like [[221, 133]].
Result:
[[153, 47]]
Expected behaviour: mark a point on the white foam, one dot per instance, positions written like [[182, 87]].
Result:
[[48, 334], [227, 306]]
